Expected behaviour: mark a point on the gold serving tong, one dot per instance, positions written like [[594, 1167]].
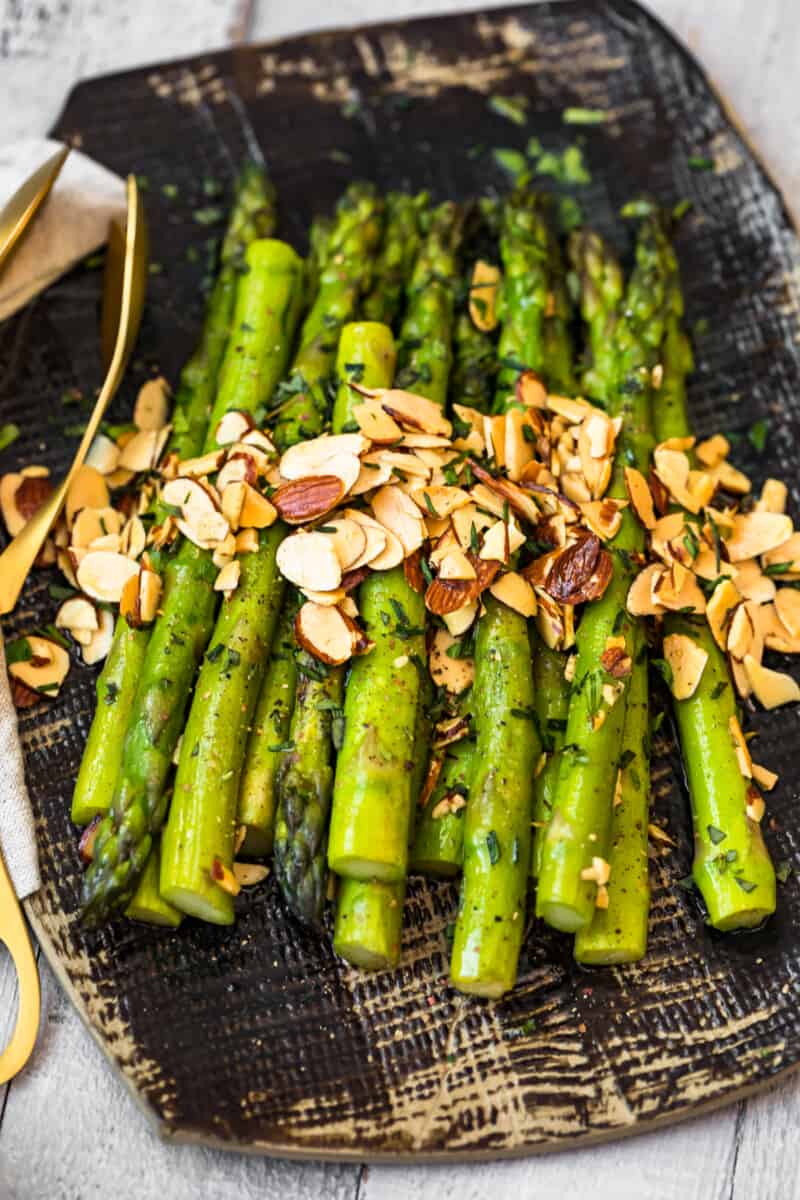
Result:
[[123, 301]]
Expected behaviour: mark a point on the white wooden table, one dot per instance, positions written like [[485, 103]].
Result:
[[68, 1128]]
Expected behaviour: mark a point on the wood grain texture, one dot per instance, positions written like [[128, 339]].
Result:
[[751, 50]]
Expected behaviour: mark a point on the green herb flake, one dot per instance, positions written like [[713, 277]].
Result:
[[513, 163], [570, 214], [716, 835], [680, 210], [112, 692], [18, 651], [210, 215], [281, 748], [781, 568], [493, 846], [698, 162], [642, 206], [664, 670], [745, 884], [513, 108], [757, 435], [8, 434], [584, 116], [718, 689], [783, 870]]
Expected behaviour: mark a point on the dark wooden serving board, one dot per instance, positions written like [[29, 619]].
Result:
[[256, 1036]]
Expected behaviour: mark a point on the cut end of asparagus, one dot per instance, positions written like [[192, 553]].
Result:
[[361, 956], [216, 911], [487, 989], [562, 916], [366, 868]]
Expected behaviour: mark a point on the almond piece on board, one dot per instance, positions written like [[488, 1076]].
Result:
[[150, 409]]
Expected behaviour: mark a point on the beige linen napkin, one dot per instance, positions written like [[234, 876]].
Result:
[[72, 223]]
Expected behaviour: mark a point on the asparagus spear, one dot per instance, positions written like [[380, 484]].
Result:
[[579, 827], [401, 241], [733, 872], [618, 933], [558, 353], [270, 732], [147, 904], [253, 216], [551, 705], [601, 291], [268, 295], [438, 847], [346, 274], [523, 296]]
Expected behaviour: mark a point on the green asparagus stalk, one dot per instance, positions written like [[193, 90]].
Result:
[[346, 274], [475, 366], [523, 297], [497, 829], [618, 933], [401, 242], [559, 371], [438, 847], [147, 904], [579, 827], [551, 705], [267, 296], [268, 737], [601, 292], [732, 867], [319, 240], [252, 217]]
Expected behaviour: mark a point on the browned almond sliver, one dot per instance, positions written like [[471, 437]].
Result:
[[97, 647], [603, 517], [306, 499], [327, 633], [398, 513], [224, 878], [641, 600], [453, 674], [257, 511], [431, 779], [413, 571], [238, 468], [143, 451], [103, 574], [150, 409], [530, 390], [764, 777], [771, 688], [687, 660], [313, 457], [233, 427], [352, 578], [787, 606], [416, 412], [309, 560], [46, 669], [449, 595], [721, 605], [616, 660], [376, 424], [518, 499], [103, 455], [515, 592], [757, 533], [228, 578], [774, 495], [483, 295], [249, 874], [640, 496]]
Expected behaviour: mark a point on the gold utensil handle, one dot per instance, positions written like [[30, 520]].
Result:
[[14, 932]]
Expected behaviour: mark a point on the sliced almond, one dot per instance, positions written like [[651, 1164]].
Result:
[[405, 464], [483, 295], [312, 457], [518, 447], [13, 518], [741, 633], [106, 541], [573, 411], [309, 560], [487, 500], [66, 567], [77, 614], [93, 523], [603, 517], [688, 661], [787, 553], [640, 601], [257, 511], [530, 390], [460, 620], [713, 450], [228, 578], [99, 644], [330, 599], [454, 564], [349, 540], [730, 479], [190, 496], [469, 517], [205, 529], [233, 427], [555, 622], [103, 455], [494, 436], [325, 632], [787, 606], [233, 502], [440, 501], [740, 744], [376, 424], [518, 499], [707, 566], [398, 513], [143, 451], [150, 588], [757, 533], [753, 583], [515, 592], [224, 878], [133, 537], [249, 874], [764, 777], [152, 403], [774, 495], [246, 541], [414, 411], [496, 543], [305, 499], [771, 688], [722, 603], [238, 468], [87, 490], [46, 669], [205, 464], [374, 473], [453, 674], [256, 439], [641, 497], [678, 590], [103, 574]]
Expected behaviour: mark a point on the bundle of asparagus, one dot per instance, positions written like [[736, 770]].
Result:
[[388, 608]]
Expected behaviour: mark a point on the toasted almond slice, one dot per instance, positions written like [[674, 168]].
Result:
[[672, 468], [150, 409], [453, 674], [133, 537], [520, 500], [428, 443], [232, 502], [99, 644], [603, 517], [313, 457], [349, 540], [776, 635], [309, 560], [518, 446], [723, 601], [34, 471], [373, 474], [678, 590], [787, 553], [87, 490], [463, 520], [713, 450], [764, 777], [208, 527], [103, 455], [93, 523], [256, 439], [753, 583], [106, 541], [515, 592], [787, 606], [454, 564], [330, 599], [376, 424], [391, 556], [459, 621], [730, 479], [65, 566], [224, 878], [233, 427], [205, 464], [249, 874], [347, 467], [247, 541], [325, 632], [573, 411], [416, 412], [666, 532], [494, 436], [640, 601], [483, 295], [771, 688], [399, 514], [142, 452], [450, 730], [757, 533], [774, 495], [103, 574], [239, 468], [405, 464], [740, 742], [496, 543], [641, 497], [12, 516], [224, 551], [45, 670], [705, 566], [530, 390], [688, 661], [307, 498], [551, 621], [228, 578], [487, 499], [440, 501], [150, 589], [741, 633], [77, 613], [257, 512]]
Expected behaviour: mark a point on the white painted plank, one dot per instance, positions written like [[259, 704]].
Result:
[[767, 1146], [72, 1132]]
